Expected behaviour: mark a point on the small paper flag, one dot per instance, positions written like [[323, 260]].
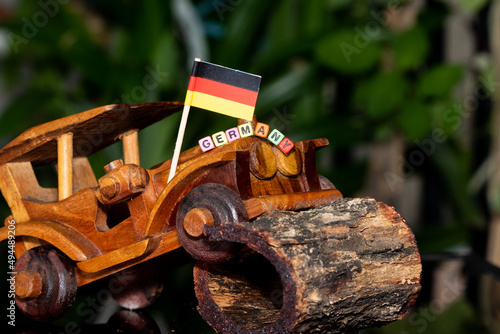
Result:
[[223, 90]]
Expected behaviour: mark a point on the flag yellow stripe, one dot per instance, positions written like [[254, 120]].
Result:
[[189, 98], [220, 105]]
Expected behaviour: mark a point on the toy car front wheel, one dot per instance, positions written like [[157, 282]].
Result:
[[209, 203], [45, 283]]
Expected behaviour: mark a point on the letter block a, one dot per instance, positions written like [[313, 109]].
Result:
[[262, 130]]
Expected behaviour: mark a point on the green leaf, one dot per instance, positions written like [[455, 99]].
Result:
[[383, 131], [148, 24], [350, 177], [415, 119], [287, 86], [165, 56], [410, 49], [436, 239], [20, 114], [439, 81], [348, 51], [81, 51], [344, 132], [309, 107], [449, 161], [437, 317], [382, 94], [361, 91], [285, 15], [472, 6], [244, 31], [338, 4], [316, 18]]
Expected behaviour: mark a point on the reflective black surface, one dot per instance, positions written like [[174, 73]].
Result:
[[95, 311]]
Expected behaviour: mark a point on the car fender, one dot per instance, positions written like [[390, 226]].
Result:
[[179, 186], [70, 242]]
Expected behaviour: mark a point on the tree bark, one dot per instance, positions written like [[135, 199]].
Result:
[[339, 268]]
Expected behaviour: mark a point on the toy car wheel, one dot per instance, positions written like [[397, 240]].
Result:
[[325, 184], [46, 283], [209, 203], [137, 288]]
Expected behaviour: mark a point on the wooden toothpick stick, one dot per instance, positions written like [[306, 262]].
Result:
[[178, 143], [180, 134]]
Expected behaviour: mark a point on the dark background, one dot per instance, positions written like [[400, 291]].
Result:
[[404, 91]]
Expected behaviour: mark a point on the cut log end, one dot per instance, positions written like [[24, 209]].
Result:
[[349, 265]]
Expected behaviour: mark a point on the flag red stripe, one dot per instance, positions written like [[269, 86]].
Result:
[[223, 90], [192, 83]]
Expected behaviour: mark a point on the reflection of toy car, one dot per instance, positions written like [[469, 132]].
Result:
[[87, 229]]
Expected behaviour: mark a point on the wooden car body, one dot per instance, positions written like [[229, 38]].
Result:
[[129, 215]]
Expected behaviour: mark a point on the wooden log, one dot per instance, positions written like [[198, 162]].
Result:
[[349, 265]]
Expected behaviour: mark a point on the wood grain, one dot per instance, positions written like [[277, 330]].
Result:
[[130, 141], [57, 278], [93, 130], [339, 268], [65, 165]]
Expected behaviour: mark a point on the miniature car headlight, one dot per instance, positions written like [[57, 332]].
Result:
[[288, 164], [262, 160]]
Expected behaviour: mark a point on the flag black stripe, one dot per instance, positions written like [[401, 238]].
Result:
[[226, 75]]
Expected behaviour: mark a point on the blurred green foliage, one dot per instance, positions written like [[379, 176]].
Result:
[[322, 64], [458, 318]]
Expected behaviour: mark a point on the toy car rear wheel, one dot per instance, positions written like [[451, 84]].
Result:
[[222, 204], [325, 183], [46, 283]]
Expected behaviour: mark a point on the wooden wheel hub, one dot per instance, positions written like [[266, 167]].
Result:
[[196, 219], [46, 283], [28, 284], [208, 204]]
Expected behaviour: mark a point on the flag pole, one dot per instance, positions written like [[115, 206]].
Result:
[[180, 136], [178, 143]]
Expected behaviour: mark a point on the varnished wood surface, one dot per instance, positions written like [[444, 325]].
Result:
[[167, 243], [65, 165], [69, 241], [152, 210], [130, 141], [92, 129], [291, 202]]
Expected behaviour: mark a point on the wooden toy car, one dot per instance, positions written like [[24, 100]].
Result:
[[88, 229]]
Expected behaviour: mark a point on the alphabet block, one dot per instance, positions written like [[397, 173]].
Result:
[[245, 130], [232, 134], [206, 144], [286, 145], [219, 138], [276, 137], [262, 130]]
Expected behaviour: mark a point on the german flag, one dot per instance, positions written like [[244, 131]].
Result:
[[223, 90]]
